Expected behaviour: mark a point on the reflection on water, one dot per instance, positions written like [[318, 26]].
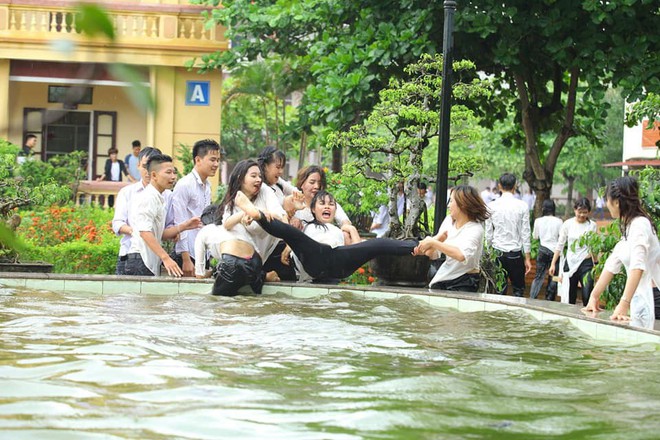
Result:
[[338, 367]]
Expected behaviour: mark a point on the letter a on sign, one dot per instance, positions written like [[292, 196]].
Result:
[[197, 93]]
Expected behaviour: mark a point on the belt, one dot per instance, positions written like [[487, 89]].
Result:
[[134, 256], [509, 253], [123, 257]]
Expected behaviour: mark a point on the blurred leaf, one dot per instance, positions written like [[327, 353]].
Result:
[[140, 94], [93, 20], [8, 239]]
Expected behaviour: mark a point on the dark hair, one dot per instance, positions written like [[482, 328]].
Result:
[[202, 148], [304, 173], [156, 160], [210, 214], [470, 202], [270, 155], [321, 195], [421, 185], [148, 152], [626, 191], [234, 186], [112, 150], [507, 181], [136, 143], [582, 203], [30, 136], [548, 207]]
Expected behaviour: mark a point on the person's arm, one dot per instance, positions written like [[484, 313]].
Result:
[[124, 170], [563, 236], [527, 242], [489, 228], [181, 199], [230, 221], [170, 265], [120, 218]]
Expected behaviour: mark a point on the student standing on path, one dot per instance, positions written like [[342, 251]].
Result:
[[191, 195], [546, 229], [133, 161], [638, 252], [508, 231]]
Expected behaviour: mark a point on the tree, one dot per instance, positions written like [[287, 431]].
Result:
[[539, 55]]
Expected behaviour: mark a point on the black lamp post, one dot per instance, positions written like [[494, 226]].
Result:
[[445, 111]]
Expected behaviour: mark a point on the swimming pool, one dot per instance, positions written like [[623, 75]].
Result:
[[336, 367]]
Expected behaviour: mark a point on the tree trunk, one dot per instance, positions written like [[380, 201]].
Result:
[[336, 160], [569, 196], [303, 149]]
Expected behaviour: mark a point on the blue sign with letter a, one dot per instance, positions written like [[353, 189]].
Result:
[[198, 92]]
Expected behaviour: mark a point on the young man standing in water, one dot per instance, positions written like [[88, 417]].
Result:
[[150, 209], [191, 195]]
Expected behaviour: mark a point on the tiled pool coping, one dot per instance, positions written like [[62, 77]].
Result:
[[600, 328]]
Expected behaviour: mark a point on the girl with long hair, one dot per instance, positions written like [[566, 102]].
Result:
[[460, 238], [638, 252]]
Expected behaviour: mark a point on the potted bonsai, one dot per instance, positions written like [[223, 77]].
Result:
[[389, 147]]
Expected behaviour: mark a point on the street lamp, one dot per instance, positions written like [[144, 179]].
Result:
[[445, 111]]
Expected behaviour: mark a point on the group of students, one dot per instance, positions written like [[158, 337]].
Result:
[[266, 229]]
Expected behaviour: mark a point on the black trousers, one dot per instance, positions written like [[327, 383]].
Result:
[[322, 261], [468, 282], [274, 262], [235, 272], [582, 275], [135, 266], [513, 264], [543, 262]]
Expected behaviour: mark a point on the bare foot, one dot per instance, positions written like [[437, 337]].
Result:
[[246, 205], [272, 275]]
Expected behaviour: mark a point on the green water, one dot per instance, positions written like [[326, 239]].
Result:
[[337, 367]]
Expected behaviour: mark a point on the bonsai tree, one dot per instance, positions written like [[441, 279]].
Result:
[[21, 186], [388, 146]]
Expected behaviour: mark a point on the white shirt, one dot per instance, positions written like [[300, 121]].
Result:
[[327, 234], [306, 215], [487, 196], [132, 165], [148, 215], [209, 239], [400, 204], [382, 218], [191, 196], [570, 232], [530, 199], [254, 234], [508, 228], [114, 171], [123, 207], [469, 239], [281, 189], [639, 250], [546, 229]]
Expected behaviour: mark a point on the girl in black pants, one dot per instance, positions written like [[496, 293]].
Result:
[[321, 261]]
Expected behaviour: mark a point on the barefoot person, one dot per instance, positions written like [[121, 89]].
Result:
[[322, 261], [638, 252], [461, 239]]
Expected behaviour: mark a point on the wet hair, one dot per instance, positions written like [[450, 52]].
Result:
[[548, 207], [304, 173], [156, 160], [202, 148], [136, 143], [210, 214], [321, 195], [234, 186], [507, 181], [148, 152], [626, 191], [470, 202], [112, 150], [582, 203], [270, 155]]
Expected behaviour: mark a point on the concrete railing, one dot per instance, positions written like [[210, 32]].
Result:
[[93, 191]]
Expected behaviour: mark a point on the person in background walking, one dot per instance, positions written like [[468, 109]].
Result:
[[114, 168], [132, 160], [546, 229]]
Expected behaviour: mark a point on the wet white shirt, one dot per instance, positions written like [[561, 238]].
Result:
[[191, 196], [639, 250], [149, 215], [208, 240], [469, 239], [281, 189], [508, 227], [382, 218]]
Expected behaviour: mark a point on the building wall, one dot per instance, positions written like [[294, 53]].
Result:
[[639, 143]]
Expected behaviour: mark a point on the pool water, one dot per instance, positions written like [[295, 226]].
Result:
[[335, 367]]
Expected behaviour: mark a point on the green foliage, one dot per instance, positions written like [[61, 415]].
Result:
[[93, 20], [388, 147], [75, 239], [647, 108], [184, 155]]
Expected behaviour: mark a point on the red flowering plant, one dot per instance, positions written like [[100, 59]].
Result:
[[361, 277]]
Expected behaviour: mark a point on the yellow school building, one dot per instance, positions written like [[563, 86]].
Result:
[[61, 86]]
